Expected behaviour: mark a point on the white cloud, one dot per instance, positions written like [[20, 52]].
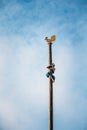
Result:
[[69, 99], [23, 85], [8, 113]]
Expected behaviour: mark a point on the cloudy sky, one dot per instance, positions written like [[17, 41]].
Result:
[[24, 56]]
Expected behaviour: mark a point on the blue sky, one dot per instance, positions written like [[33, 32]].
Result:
[[24, 56]]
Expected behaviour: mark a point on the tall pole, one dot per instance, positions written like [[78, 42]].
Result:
[[51, 69], [50, 109]]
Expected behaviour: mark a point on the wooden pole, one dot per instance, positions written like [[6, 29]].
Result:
[[50, 108], [51, 69]]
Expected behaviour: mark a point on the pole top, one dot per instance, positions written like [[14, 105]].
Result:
[[49, 41]]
